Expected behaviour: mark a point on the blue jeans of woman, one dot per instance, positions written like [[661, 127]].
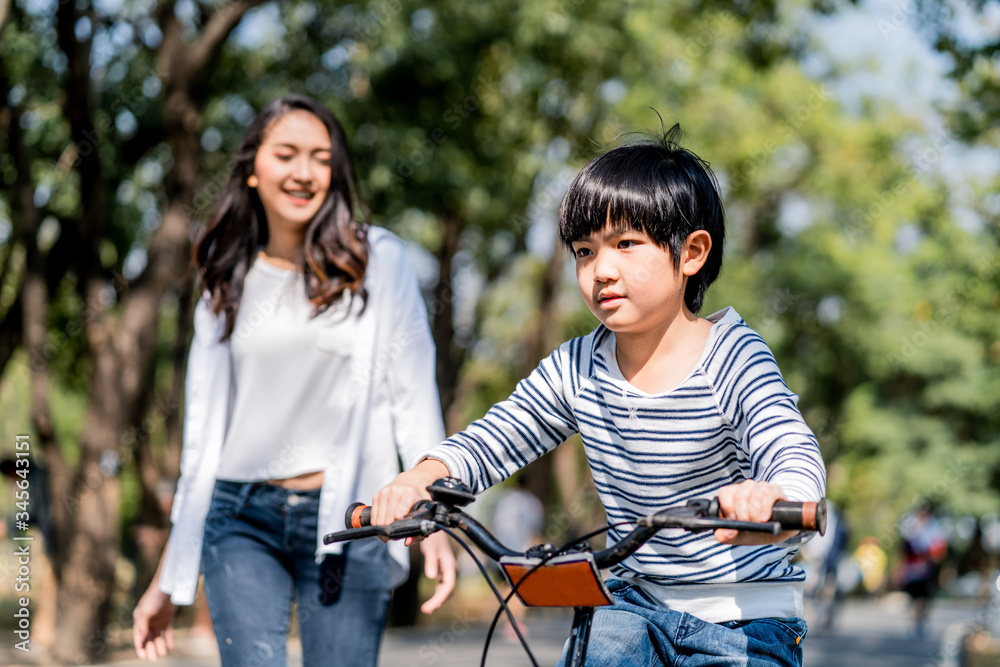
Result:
[[259, 555], [635, 631]]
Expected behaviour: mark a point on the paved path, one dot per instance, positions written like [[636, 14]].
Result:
[[866, 634], [878, 634]]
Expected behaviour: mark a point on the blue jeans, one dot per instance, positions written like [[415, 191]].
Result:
[[259, 554], [636, 631]]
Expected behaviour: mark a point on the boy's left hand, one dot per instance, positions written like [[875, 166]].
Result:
[[749, 501]]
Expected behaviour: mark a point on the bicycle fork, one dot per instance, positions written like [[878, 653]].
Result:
[[579, 635]]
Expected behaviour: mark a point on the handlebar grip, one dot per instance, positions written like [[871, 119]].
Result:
[[358, 515], [804, 516]]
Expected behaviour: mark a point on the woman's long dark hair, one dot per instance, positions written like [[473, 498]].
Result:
[[336, 245]]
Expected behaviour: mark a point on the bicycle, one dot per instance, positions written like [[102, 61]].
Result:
[[567, 576]]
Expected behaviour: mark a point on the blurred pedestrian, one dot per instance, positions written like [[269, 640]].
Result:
[[29, 481], [518, 516], [36, 494], [826, 553], [872, 560], [518, 522], [924, 547]]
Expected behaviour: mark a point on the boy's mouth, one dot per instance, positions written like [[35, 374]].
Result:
[[607, 299]]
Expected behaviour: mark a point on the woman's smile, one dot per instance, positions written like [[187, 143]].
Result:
[[300, 197]]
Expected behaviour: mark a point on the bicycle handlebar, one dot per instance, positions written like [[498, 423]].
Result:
[[428, 516], [443, 513], [424, 519]]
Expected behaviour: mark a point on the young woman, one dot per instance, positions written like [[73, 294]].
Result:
[[311, 374]]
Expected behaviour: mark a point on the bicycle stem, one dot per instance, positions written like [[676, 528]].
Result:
[[480, 536]]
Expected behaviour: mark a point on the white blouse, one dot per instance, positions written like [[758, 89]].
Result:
[[288, 380], [379, 407]]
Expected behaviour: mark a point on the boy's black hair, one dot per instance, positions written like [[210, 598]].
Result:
[[655, 187]]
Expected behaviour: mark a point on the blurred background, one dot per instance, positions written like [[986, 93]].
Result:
[[855, 144]]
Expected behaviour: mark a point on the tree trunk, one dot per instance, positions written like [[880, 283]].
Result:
[[449, 355], [88, 570], [11, 332], [33, 302], [11, 321], [158, 473], [174, 426], [5, 6], [87, 508], [543, 336]]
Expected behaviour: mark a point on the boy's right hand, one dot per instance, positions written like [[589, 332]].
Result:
[[395, 500]]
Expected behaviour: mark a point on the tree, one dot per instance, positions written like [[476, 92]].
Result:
[[118, 325]]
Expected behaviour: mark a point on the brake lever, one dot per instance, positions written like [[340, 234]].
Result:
[[419, 522], [353, 534]]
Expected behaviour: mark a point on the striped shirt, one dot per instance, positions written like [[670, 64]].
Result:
[[732, 418]]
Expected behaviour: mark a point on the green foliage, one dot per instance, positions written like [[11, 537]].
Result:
[[843, 248]]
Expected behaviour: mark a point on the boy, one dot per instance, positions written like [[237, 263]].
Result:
[[670, 407]]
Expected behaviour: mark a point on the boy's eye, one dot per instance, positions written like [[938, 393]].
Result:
[[626, 243], [581, 252]]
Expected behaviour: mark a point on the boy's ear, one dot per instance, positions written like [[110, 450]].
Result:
[[694, 254]]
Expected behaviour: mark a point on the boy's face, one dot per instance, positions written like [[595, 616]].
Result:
[[628, 281]]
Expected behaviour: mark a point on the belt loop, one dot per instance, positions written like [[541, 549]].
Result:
[[246, 491]]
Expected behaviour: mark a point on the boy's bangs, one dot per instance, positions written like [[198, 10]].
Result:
[[657, 188], [594, 204]]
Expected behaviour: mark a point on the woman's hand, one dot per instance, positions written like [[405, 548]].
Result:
[[395, 500], [152, 627], [749, 501], [439, 564]]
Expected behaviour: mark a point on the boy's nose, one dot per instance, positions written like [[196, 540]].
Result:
[[605, 268]]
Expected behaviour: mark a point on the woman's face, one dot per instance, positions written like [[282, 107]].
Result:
[[292, 171]]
